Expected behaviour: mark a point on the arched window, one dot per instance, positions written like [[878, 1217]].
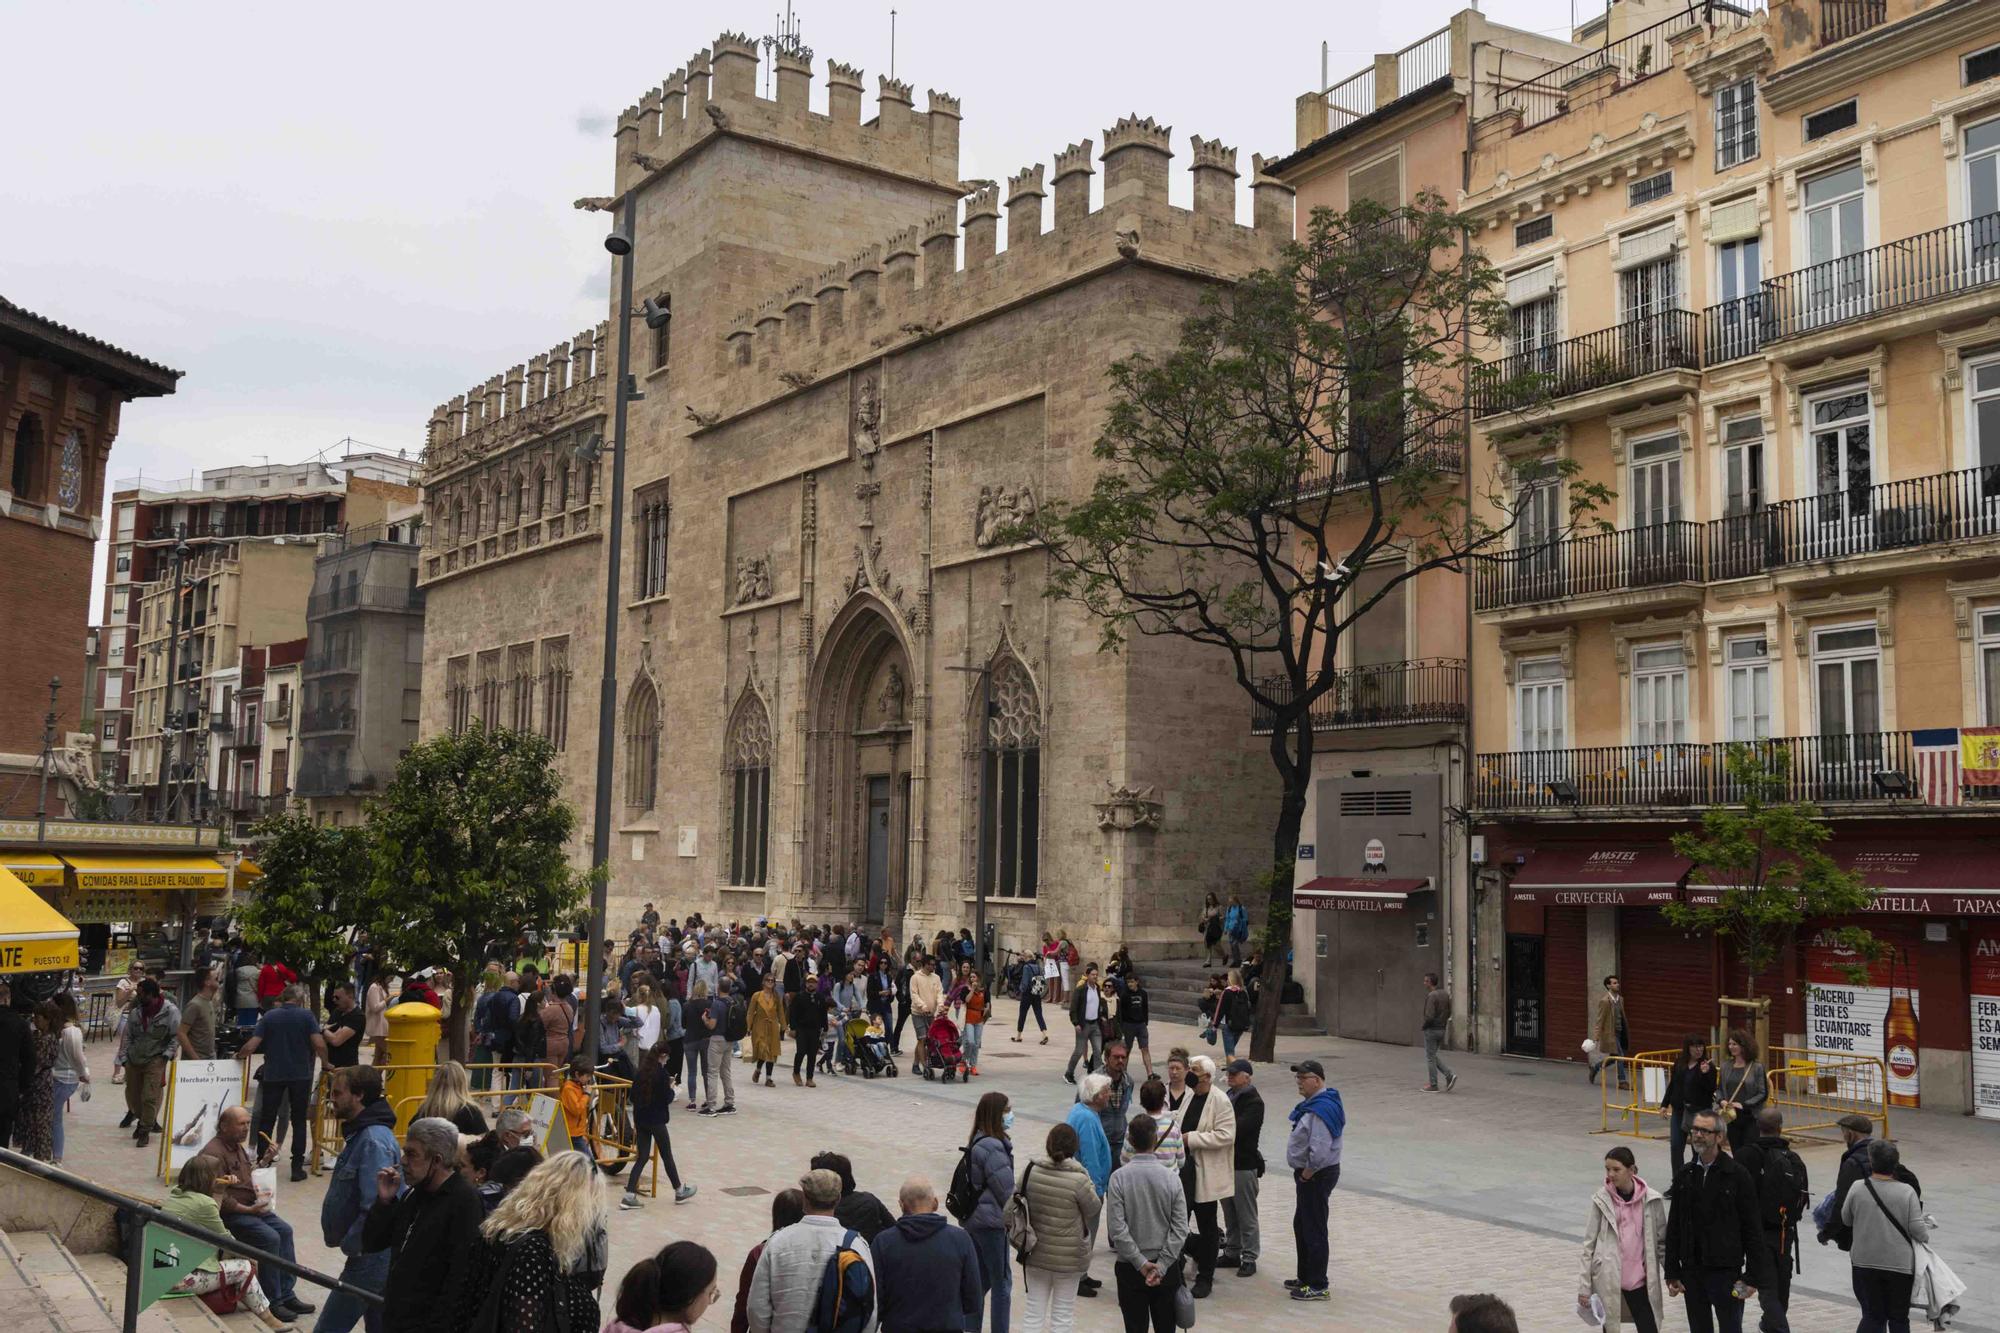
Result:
[[520, 497], [642, 746], [1010, 783], [30, 467], [456, 532], [479, 510], [541, 491], [562, 486], [747, 763]]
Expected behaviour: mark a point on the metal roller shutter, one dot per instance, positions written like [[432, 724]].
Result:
[[1567, 992], [1669, 977]]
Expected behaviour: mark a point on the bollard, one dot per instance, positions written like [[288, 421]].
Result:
[[414, 1029]]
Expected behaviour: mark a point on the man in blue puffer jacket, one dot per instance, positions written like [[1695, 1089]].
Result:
[[371, 1145]]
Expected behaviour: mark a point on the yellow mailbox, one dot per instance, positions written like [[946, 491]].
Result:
[[414, 1029]]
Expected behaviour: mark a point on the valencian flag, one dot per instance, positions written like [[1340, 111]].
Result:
[[1979, 751]]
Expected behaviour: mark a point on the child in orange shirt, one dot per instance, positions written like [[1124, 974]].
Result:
[[576, 1104]]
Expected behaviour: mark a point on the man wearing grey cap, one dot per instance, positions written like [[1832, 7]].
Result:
[[1313, 1153], [1239, 1212]]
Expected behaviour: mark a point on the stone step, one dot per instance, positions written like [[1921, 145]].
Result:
[[179, 1315]]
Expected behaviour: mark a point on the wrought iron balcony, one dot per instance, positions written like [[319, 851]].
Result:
[[1896, 515], [1693, 774], [326, 719], [364, 599], [1388, 694], [320, 663], [1605, 562], [334, 780], [222, 723], [1437, 449], [1732, 330], [1666, 340], [1917, 269], [1841, 19]]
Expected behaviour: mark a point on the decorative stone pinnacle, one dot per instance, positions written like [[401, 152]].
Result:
[[983, 203], [1074, 159], [1134, 131], [845, 75], [868, 260], [944, 222], [701, 64], [735, 43], [902, 243], [829, 281], [892, 90], [1024, 183], [676, 83], [801, 59], [1213, 153], [943, 103]]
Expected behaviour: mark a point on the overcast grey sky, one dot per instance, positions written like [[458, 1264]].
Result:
[[333, 218]]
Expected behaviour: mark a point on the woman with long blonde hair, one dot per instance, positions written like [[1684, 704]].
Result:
[[543, 1247], [450, 1098]]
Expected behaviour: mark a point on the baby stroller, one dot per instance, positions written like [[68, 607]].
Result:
[[852, 1032], [871, 1052], [946, 1055]]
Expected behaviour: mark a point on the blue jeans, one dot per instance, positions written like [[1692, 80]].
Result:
[[1230, 1036], [341, 1312], [971, 1034], [273, 1235], [64, 1091], [995, 1274]]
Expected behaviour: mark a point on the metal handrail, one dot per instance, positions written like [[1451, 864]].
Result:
[[134, 1212]]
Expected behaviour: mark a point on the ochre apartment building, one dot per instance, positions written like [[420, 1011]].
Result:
[[1755, 258]]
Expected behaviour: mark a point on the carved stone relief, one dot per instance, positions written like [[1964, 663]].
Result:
[[1000, 507], [1126, 807], [753, 579]]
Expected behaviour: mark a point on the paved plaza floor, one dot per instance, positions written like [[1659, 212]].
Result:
[[1485, 1189]]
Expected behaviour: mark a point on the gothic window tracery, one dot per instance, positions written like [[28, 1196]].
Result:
[[747, 761], [1010, 784]]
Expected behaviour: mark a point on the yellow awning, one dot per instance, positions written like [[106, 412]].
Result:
[[38, 870], [34, 937], [137, 870], [247, 869]]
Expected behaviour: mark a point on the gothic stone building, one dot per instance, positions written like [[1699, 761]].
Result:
[[840, 694]]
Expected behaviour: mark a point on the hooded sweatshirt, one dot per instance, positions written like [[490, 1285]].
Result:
[[927, 1276], [1631, 1215]]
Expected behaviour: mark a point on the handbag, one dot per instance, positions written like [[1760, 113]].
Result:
[[1183, 1304]]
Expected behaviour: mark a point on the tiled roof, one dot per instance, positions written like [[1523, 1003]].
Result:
[[133, 373]]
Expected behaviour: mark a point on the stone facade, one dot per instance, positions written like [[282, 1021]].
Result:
[[840, 693]]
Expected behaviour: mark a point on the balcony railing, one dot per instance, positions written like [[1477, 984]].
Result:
[[1732, 330], [369, 599], [1386, 694], [1933, 264], [1615, 65], [1627, 560], [326, 719], [1840, 19], [334, 780], [1820, 769], [1895, 515], [320, 662], [222, 723], [1666, 340], [1440, 449]]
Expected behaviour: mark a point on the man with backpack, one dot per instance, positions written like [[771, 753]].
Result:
[[814, 1276], [1783, 1194], [1856, 1132]]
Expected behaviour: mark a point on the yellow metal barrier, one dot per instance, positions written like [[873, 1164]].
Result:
[[329, 1135], [1814, 1089]]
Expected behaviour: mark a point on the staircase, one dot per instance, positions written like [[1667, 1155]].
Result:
[[1175, 986], [44, 1288]]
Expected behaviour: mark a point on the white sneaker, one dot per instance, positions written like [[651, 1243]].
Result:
[[683, 1194], [631, 1201]]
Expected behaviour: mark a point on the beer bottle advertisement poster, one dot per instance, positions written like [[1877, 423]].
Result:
[[1877, 1018], [1986, 1021]]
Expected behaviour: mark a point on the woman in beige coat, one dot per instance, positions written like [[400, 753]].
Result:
[[1625, 1247], [1062, 1205], [1208, 1132]]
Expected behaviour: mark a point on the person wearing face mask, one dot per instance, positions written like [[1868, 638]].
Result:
[[990, 1158], [1624, 1247]]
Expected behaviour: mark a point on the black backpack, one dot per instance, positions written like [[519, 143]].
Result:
[[963, 1196], [531, 1039], [1783, 1193], [737, 1025]]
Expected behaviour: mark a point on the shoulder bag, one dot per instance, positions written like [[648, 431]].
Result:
[[1020, 1225]]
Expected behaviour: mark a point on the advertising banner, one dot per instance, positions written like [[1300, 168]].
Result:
[[198, 1092], [1986, 1021], [1877, 1017]]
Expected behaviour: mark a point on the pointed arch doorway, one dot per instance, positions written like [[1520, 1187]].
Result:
[[862, 750]]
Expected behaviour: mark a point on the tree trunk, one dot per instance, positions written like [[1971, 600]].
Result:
[[1278, 913]]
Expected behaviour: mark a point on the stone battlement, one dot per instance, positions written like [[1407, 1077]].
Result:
[[715, 93], [533, 396], [916, 282]]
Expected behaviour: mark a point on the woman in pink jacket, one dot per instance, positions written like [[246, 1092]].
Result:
[[1625, 1247]]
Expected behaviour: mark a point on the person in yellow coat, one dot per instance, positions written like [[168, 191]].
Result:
[[767, 1029]]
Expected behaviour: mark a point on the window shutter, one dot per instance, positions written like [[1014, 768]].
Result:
[[1645, 247], [1734, 221], [1381, 182], [1532, 285]]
